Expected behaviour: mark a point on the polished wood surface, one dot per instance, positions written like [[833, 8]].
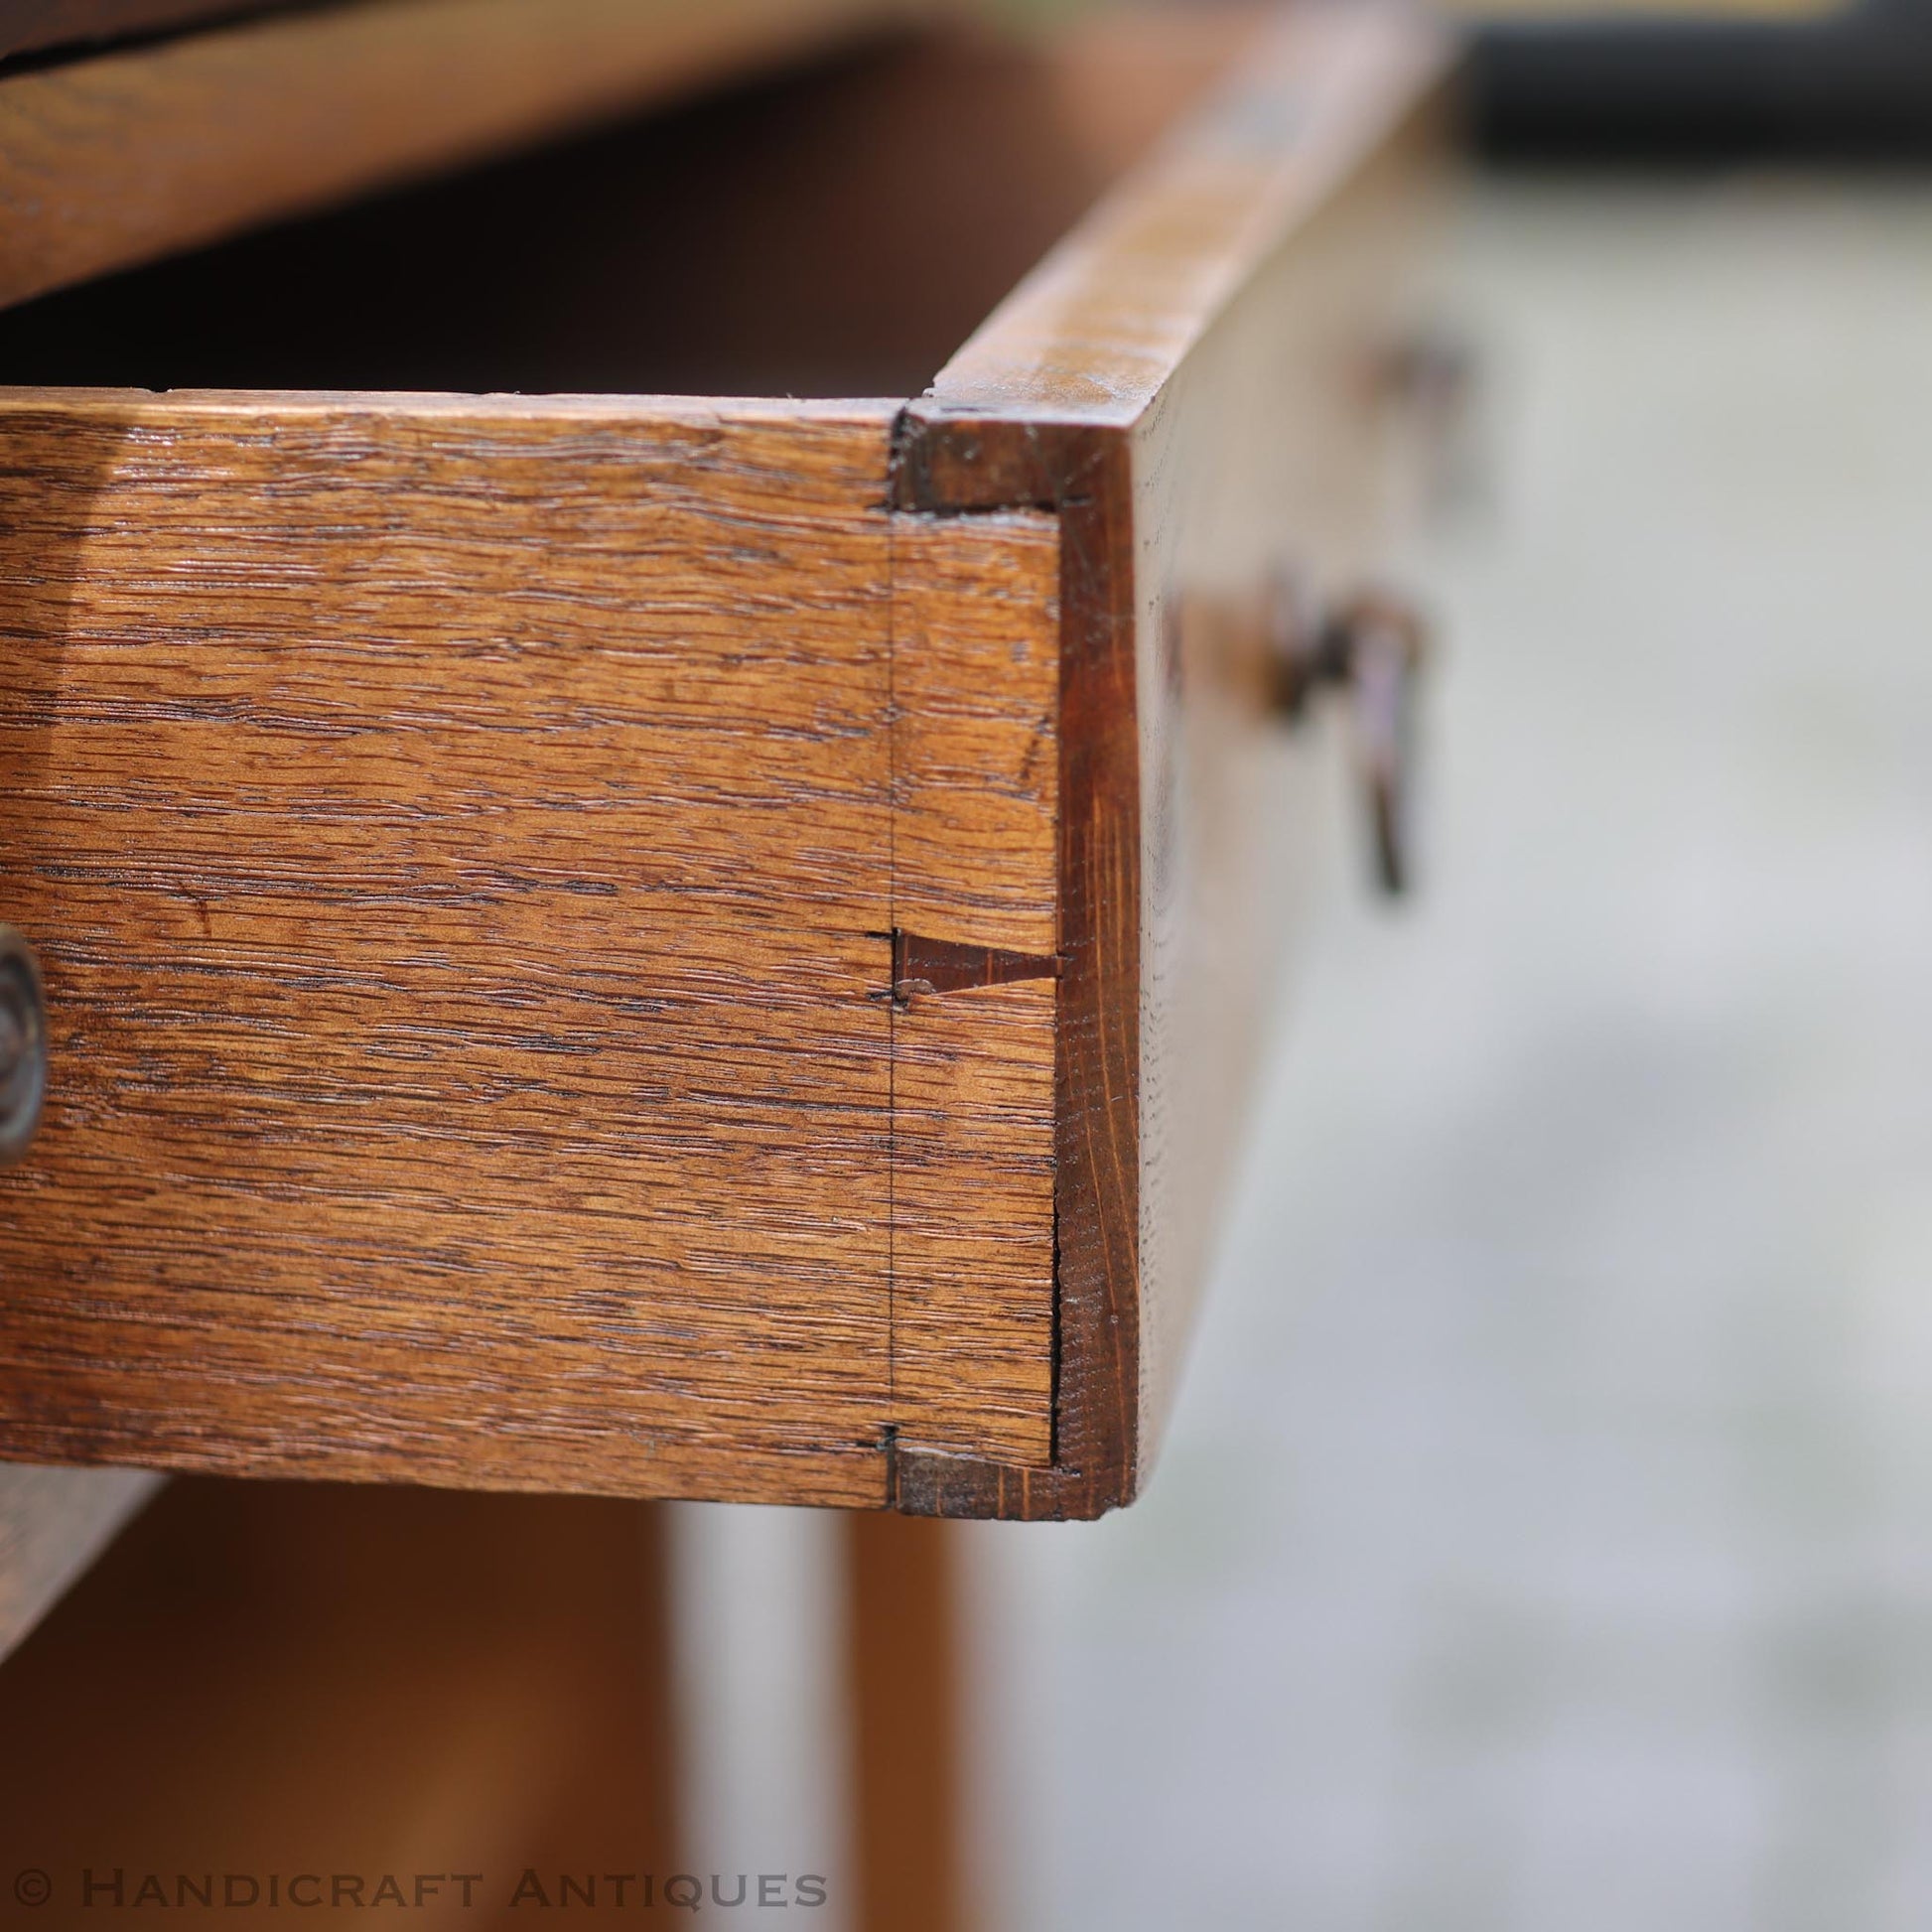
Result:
[[456, 834], [973, 705], [1100, 330], [1253, 818], [976, 609], [973, 1223], [477, 1053], [120, 156]]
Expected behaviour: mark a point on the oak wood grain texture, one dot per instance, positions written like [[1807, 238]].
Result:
[[457, 836], [125, 154], [1096, 1084], [975, 722], [973, 1223], [278, 1679], [975, 778], [1107, 389], [53, 1524]]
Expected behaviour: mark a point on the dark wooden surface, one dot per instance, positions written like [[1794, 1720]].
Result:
[[30, 26], [130, 154], [53, 1524], [811, 259]]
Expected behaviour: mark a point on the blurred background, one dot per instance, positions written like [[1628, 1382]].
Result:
[[1573, 1338], [1574, 1335]]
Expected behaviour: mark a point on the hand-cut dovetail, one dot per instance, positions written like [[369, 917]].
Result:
[[950, 966]]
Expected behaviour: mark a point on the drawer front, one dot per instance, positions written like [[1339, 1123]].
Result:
[[1272, 466], [684, 947], [1190, 386]]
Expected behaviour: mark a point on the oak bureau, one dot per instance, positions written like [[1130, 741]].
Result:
[[647, 875]]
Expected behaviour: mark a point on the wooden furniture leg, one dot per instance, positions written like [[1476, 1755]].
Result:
[[909, 1777], [284, 1682]]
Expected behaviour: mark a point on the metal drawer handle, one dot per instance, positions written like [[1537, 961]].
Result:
[[22, 1046], [1372, 646]]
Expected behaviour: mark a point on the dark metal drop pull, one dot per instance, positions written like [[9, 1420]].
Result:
[[1371, 646], [22, 1046]]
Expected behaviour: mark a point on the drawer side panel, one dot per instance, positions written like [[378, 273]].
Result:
[[1189, 381], [455, 836]]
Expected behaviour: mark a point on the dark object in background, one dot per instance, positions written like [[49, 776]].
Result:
[[1851, 80], [31, 27]]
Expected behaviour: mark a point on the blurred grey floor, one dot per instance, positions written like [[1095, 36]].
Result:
[[1545, 1539]]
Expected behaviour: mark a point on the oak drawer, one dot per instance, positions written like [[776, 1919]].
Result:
[[671, 940]]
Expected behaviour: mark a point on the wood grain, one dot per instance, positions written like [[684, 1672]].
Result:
[[460, 838], [1139, 382], [686, 947], [122, 156], [973, 1223], [975, 778], [457, 836], [975, 724], [1101, 326], [53, 1524]]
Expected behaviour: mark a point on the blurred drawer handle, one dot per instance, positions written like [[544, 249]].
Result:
[[1373, 645], [22, 1046]]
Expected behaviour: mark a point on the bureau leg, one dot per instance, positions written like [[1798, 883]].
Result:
[[906, 1672], [269, 1680]]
